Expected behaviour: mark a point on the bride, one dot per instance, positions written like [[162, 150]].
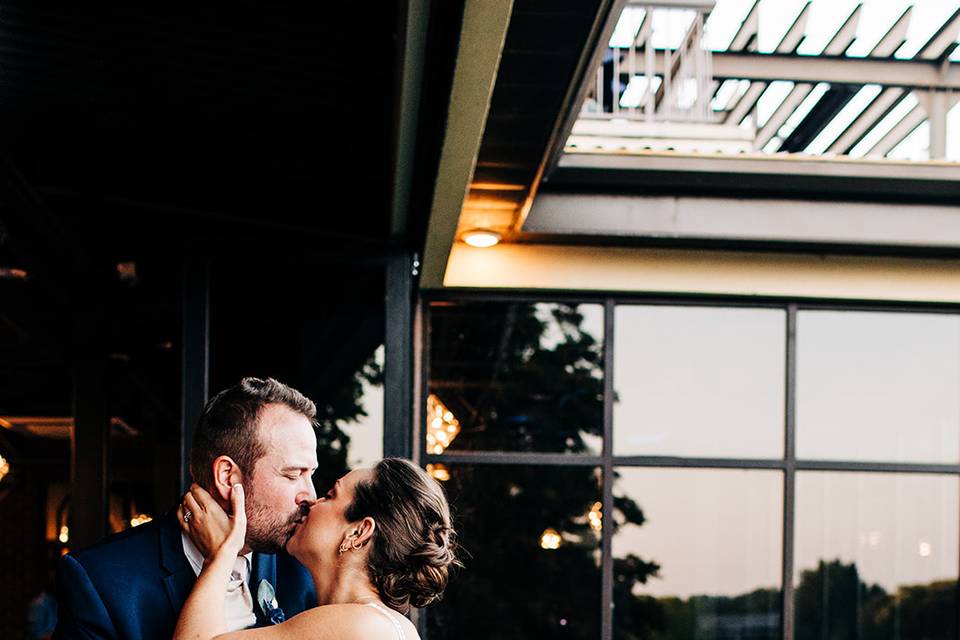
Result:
[[377, 543]]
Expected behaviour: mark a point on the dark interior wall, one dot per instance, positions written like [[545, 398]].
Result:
[[23, 560]]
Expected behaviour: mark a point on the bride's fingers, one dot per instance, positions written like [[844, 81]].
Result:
[[203, 497], [183, 523], [191, 505], [237, 503]]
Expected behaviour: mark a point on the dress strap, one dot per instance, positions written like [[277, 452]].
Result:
[[390, 616]]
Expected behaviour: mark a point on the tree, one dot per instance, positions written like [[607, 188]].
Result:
[[524, 377]]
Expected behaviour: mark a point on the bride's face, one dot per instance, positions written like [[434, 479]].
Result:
[[318, 538]]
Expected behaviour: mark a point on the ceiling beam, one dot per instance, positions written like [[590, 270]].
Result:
[[866, 180], [773, 220], [768, 67], [604, 23], [411, 49], [482, 37]]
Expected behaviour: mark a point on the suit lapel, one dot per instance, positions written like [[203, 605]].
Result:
[[180, 577], [264, 568]]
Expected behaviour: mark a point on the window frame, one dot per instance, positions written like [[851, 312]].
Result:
[[788, 465]]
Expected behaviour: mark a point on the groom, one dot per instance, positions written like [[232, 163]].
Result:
[[132, 585]]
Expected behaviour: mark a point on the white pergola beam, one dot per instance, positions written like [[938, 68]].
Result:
[[746, 103], [782, 114], [746, 36], [768, 67], [937, 106], [895, 136], [880, 106], [845, 35], [768, 220], [943, 42], [797, 32], [895, 36], [765, 164]]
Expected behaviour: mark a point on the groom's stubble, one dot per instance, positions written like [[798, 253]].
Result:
[[268, 527]]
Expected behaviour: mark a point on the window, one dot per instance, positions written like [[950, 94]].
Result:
[[260, 327], [695, 469]]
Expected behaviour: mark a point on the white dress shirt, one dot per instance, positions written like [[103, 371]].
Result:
[[238, 605]]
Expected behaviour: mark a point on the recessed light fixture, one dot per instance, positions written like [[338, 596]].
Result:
[[481, 238]]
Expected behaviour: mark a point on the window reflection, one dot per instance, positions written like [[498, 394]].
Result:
[[532, 554], [143, 388], [516, 377], [332, 352], [878, 386], [876, 555], [697, 553], [699, 381]]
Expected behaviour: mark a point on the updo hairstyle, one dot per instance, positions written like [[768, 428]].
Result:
[[413, 545]]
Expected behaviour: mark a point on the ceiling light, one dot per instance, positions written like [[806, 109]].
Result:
[[481, 238]]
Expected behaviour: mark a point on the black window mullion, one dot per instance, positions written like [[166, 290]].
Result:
[[788, 464], [606, 572], [789, 475]]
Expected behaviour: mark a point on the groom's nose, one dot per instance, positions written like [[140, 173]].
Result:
[[307, 494]]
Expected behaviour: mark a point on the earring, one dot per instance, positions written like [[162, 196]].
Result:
[[343, 547], [356, 545]]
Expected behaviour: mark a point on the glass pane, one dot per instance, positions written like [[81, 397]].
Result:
[[515, 377], [532, 537], [876, 556], [697, 553], [144, 389], [332, 353], [878, 386], [699, 381]]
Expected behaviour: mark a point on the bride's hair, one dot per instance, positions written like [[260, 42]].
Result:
[[413, 545]]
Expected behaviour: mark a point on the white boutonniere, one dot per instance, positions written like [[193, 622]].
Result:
[[267, 597]]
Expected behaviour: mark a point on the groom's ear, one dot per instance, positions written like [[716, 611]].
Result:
[[226, 473]]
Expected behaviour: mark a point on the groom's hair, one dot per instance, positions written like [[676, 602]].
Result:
[[228, 425]]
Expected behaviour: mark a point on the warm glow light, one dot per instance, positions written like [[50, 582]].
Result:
[[8, 273], [595, 516], [481, 238], [550, 539], [139, 519], [925, 549], [64, 534], [439, 472], [4, 467], [442, 425]]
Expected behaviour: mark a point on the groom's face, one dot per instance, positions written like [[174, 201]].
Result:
[[281, 489]]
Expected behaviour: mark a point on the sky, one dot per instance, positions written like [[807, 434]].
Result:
[[366, 434], [709, 382], [826, 16]]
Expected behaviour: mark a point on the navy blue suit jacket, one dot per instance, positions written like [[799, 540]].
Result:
[[132, 585]]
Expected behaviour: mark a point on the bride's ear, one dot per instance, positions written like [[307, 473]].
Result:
[[226, 473], [364, 530]]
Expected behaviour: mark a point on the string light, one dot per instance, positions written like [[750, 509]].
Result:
[[595, 517], [64, 534], [442, 425], [438, 472], [4, 467], [550, 539], [139, 519]]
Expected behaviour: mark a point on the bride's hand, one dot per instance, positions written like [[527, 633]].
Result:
[[210, 528]]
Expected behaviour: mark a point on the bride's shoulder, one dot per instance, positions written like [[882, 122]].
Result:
[[352, 621]]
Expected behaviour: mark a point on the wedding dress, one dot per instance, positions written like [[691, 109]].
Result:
[[383, 610]]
